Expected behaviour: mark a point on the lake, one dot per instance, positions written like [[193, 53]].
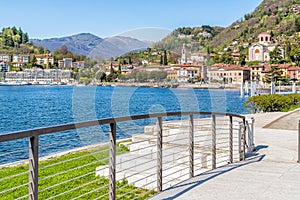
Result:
[[28, 107]]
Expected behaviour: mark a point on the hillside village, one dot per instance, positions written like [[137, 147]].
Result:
[[195, 68], [185, 68], [263, 47]]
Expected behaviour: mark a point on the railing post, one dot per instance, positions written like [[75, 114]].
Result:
[[112, 161], [191, 146], [244, 139], [213, 142], [33, 167], [159, 155], [240, 141], [230, 139], [252, 131], [298, 142], [251, 136]]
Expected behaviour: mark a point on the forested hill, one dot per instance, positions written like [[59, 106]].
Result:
[[196, 37], [280, 17], [16, 41]]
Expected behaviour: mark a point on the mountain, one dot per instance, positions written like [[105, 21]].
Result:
[[281, 18], [91, 45]]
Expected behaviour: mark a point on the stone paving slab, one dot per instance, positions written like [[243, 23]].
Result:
[[288, 121], [272, 172]]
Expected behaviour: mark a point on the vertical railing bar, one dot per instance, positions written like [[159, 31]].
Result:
[[191, 146], [244, 139], [214, 158], [240, 141], [251, 137], [298, 142], [112, 161], [159, 155], [33, 167], [230, 139]]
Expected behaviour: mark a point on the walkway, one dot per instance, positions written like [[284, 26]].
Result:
[[272, 172]]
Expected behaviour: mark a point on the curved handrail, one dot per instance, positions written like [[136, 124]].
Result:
[[72, 126], [34, 134]]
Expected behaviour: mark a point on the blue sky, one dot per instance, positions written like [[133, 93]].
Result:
[[56, 18]]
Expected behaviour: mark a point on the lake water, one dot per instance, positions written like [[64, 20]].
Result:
[[28, 107]]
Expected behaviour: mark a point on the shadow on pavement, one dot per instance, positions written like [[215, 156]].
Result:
[[186, 186]]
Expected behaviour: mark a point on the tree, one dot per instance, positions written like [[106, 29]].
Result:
[[242, 59], [33, 61], [129, 60], [227, 58], [297, 24], [165, 59], [295, 54], [274, 75], [276, 56]]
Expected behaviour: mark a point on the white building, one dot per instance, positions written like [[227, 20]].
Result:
[[5, 58], [40, 75], [21, 59], [44, 59], [261, 51]]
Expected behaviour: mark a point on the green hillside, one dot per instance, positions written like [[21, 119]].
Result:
[[196, 38], [15, 41], [280, 17]]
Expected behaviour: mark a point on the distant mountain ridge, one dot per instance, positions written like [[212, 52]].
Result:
[[93, 46]]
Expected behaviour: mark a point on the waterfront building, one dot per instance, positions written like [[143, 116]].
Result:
[[44, 59], [5, 58], [294, 73], [20, 60], [43, 76], [65, 63], [185, 74], [4, 67], [172, 75], [229, 74], [257, 73]]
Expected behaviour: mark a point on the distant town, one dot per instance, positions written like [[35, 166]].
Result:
[[190, 68]]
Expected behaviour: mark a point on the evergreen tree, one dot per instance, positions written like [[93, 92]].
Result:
[[165, 59], [274, 75], [276, 56]]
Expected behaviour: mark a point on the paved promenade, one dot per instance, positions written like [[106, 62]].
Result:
[[272, 172]]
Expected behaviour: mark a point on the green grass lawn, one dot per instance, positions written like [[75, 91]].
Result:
[[67, 177]]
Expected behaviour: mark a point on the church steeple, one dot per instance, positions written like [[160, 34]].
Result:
[[183, 55]]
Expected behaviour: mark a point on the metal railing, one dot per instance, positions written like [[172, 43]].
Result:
[[164, 147], [298, 142]]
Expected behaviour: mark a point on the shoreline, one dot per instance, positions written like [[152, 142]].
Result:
[[160, 85]]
